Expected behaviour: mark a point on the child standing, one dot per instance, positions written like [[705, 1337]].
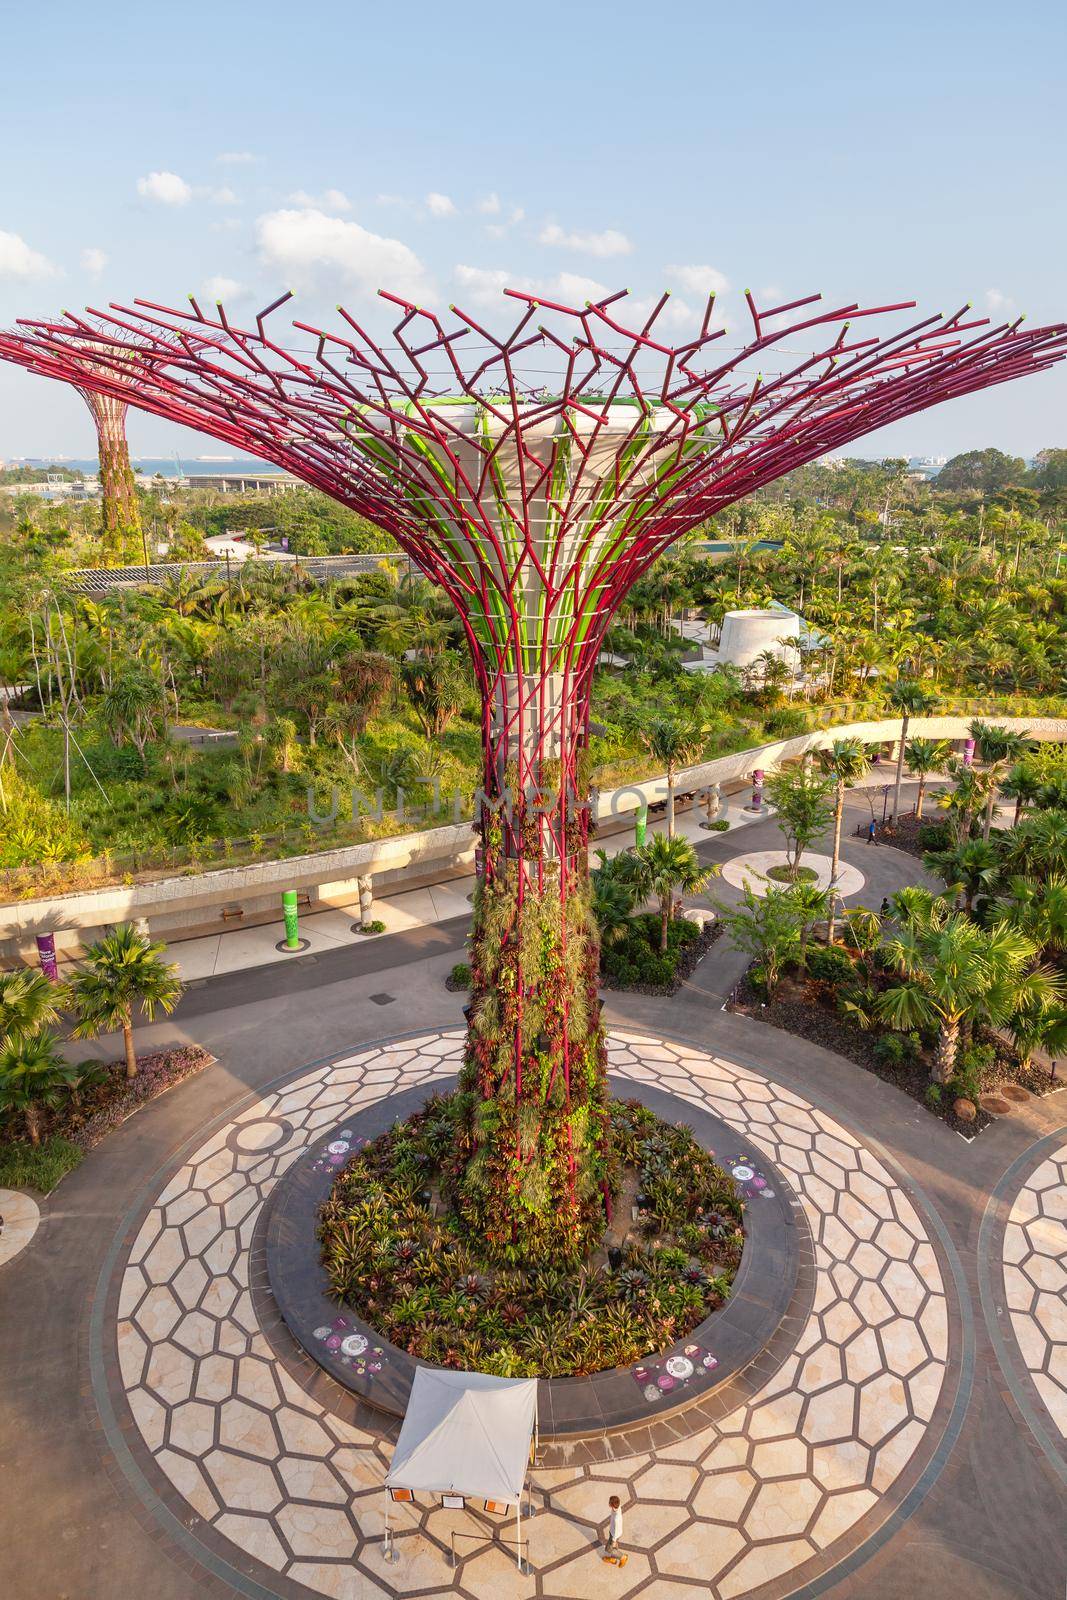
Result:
[[614, 1538]]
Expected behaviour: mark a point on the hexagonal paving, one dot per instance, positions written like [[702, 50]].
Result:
[[809, 1463], [1035, 1281]]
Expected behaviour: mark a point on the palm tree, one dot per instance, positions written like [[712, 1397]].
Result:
[[811, 903], [923, 756], [970, 791], [997, 748], [33, 1074], [845, 762], [967, 869], [1039, 1026], [1022, 785], [28, 1002], [1038, 908], [124, 972], [955, 972], [664, 867], [434, 688], [672, 745], [910, 699], [613, 892]]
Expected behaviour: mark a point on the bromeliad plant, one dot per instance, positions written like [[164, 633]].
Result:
[[399, 1249]]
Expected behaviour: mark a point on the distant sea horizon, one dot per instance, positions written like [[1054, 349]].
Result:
[[164, 466]]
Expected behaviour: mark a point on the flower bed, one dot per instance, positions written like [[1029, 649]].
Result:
[[806, 1009], [399, 1256], [108, 1099]]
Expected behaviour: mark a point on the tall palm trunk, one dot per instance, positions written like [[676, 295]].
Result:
[[839, 811], [664, 920], [905, 719], [33, 1126], [921, 797], [987, 821], [127, 1040]]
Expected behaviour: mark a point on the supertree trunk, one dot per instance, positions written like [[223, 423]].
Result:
[[535, 499], [120, 515], [536, 1120]]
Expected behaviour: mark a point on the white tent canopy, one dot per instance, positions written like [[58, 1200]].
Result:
[[466, 1433]]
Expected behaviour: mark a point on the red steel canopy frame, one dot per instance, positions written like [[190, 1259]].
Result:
[[535, 476]]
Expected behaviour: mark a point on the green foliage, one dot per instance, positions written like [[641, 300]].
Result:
[[40, 1167], [720, 825], [897, 1049], [409, 1263], [460, 975], [768, 929], [375, 925], [829, 964], [636, 959], [123, 972]]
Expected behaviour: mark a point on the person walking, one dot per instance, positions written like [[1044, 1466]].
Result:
[[885, 907], [872, 832], [614, 1539]]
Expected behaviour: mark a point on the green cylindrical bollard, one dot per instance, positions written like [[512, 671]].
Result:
[[641, 825], [292, 920]]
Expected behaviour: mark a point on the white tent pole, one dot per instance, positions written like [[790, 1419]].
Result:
[[518, 1531]]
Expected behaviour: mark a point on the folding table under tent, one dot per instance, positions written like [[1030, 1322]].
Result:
[[467, 1433]]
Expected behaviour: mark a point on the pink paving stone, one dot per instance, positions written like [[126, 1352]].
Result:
[[701, 1551]]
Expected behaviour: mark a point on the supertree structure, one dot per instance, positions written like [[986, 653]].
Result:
[[534, 476], [120, 513]]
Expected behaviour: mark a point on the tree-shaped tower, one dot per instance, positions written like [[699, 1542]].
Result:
[[534, 476]]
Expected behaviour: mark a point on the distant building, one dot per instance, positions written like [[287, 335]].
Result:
[[242, 482]]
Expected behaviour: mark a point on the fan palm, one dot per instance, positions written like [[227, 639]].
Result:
[[672, 744], [954, 972], [33, 1074], [968, 869], [997, 748], [910, 699], [664, 867], [27, 1003], [124, 972], [923, 756], [845, 762]]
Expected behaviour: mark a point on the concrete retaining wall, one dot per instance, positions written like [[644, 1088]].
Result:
[[174, 906]]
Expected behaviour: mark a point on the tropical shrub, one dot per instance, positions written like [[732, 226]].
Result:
[[402, 1257], [828, 964]]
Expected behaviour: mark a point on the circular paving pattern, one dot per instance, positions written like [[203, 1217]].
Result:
[[1035, 1280], [750, 872], [779, 1489], [19, 1218]]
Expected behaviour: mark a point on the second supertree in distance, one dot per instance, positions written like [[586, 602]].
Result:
[[534, 475]]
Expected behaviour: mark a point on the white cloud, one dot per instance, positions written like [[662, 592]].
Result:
[[93, 261], [329, 200], [235, 158], [390, 200], [999, 304], [517, 215], [489, 205], [17, 260], [312, 248], [608, 243], [220, 288], [166, 187], [439, 205], [224, 196], [484, 286], [698, 280]]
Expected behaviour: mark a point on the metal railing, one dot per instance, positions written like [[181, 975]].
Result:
[[100, 580]]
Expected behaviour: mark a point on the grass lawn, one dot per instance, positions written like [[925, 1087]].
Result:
[[26, 1166]]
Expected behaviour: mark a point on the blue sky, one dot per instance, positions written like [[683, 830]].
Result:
[[873, 153]]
